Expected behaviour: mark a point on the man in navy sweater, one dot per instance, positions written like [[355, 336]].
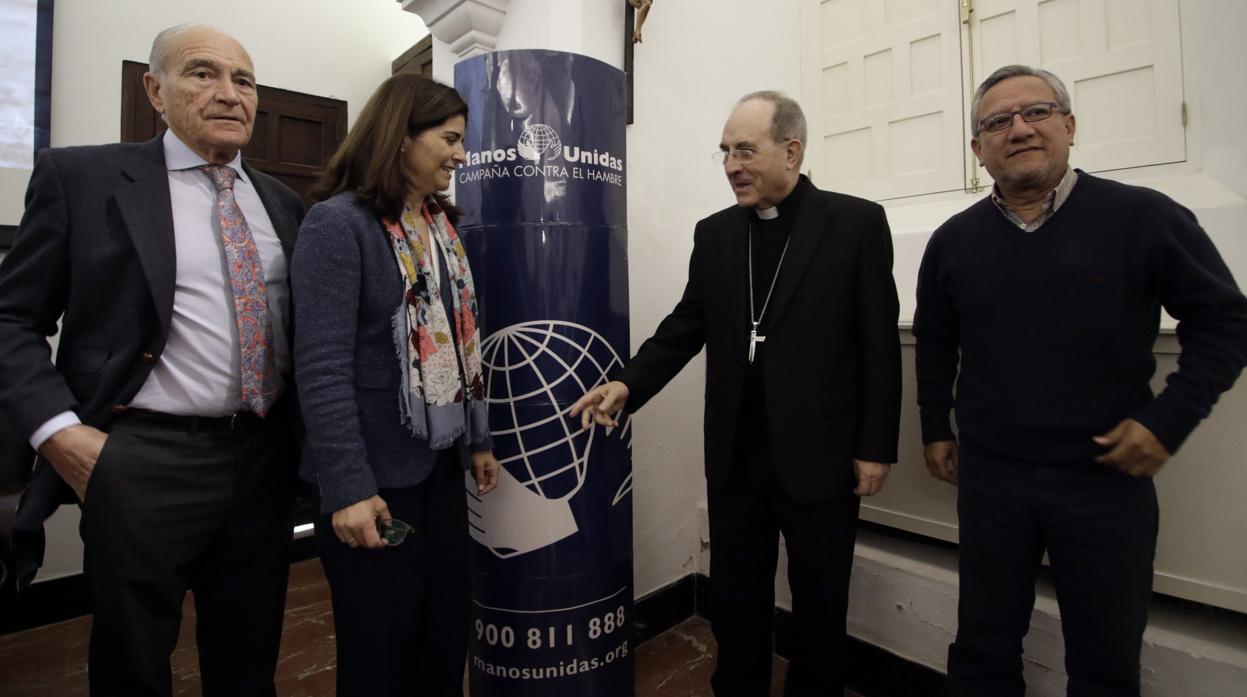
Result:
[[1042, 302]]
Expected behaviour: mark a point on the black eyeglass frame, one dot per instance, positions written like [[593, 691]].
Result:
[[1005, 124]]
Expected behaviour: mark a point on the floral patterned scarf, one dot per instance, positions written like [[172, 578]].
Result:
[[433, 402]]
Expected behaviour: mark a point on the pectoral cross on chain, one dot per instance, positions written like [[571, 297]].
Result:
[[754, 340]]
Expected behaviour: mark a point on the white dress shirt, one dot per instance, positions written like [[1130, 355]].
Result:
[[199, 373]]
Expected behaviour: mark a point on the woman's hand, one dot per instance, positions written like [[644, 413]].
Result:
[[356, 525], [485, 472]]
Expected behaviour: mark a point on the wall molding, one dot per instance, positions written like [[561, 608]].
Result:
[[468, 27]]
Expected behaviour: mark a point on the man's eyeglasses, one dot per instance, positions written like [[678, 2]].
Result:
[[393, 531], [1030, 113], [742, 155]]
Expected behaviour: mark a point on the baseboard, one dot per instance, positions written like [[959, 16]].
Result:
[[65, 598], [875, 671], [47, 602], [664, 608]]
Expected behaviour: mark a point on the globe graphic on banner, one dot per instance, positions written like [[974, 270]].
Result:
[[537, 140], [534, 372]]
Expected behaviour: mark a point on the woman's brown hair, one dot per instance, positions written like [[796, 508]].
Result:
[[369, 162]]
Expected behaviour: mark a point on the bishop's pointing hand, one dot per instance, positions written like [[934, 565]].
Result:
[[601, 404]]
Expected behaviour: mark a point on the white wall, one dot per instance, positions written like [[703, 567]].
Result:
[[1213, 54], [330, 48], [593, 28], [1197, 556], [698, 58]]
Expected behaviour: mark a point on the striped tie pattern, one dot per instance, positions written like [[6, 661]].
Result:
[[246, 276]]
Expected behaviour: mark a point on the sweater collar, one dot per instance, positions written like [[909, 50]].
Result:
[[1054, 200]]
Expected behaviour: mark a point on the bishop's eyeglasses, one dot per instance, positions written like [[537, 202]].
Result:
[[742, 155]]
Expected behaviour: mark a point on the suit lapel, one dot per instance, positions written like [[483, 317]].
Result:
[[148, 216], [807, 233], [284, 224], [733, 239]]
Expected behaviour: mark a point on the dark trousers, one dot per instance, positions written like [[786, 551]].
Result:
[[177, 506], [746, 516], [1099, 529], [401, 613]]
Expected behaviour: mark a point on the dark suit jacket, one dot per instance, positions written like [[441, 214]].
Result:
[[831, 362], [96, 244]]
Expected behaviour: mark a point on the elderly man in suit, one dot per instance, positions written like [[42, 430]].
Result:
[[791, 293], [166, 411]]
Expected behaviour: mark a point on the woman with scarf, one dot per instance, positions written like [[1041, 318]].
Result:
[[388, 368]]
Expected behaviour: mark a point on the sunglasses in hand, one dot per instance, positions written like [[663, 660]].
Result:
[[393, 531]]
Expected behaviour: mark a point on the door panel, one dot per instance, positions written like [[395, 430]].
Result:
[[1120, 59], [882, 89]]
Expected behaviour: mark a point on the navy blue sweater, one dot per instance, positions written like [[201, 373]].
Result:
[[1053, 330]]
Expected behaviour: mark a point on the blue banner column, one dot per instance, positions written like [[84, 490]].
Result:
[[545, 225]]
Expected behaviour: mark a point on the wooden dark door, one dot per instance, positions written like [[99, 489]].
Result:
[[295, 134], [417, 59]]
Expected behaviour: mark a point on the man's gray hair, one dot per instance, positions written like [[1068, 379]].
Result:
[[789, 120], [165, 41], [1058, 88]]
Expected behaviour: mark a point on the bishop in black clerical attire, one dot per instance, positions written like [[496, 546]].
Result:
[[791, 293]]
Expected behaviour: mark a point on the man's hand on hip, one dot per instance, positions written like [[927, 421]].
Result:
[[941, 459], [1135, 450], [601, 404], [72, 451], [870, 476]]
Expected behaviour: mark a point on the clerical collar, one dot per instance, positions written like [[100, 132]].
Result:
[[788, 206]]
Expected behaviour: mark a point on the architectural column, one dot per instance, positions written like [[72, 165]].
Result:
[[466, 27]]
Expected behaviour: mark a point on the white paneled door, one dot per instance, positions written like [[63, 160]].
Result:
[[883, 91], [887, 84], [1120, 59]]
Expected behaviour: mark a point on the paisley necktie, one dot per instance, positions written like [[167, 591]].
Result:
[[246, 276]]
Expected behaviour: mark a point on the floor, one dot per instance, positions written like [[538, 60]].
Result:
[[51, 660]]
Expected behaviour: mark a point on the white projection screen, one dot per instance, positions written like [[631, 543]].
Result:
[[25, 86]]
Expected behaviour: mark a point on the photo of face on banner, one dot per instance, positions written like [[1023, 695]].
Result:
[[537, 97]]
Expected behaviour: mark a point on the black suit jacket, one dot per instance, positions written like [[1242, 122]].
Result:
[[95, 245], [831, 362]]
